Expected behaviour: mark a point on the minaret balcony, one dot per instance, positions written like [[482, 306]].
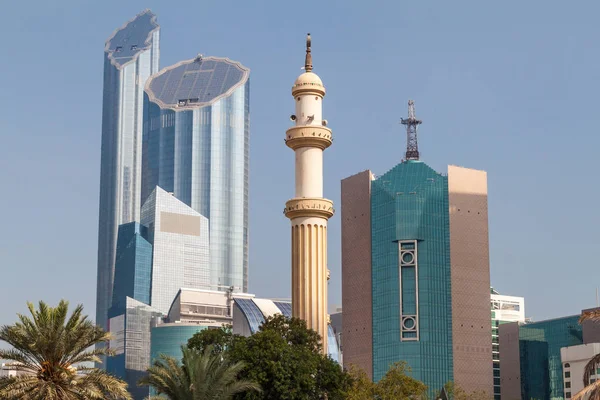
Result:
[[309, 207], [308, 136]]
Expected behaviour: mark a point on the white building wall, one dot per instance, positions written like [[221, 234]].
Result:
[[180, 240], [574, 360]]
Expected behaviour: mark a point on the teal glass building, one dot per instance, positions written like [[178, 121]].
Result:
[[539, 350], [133, 264], [411, 271], [167, 339], [415, 275]]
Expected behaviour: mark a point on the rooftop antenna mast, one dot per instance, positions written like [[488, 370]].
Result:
[[412, 147]]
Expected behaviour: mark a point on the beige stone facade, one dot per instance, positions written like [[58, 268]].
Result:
[[510, 361], [356, 272], [470, 276]]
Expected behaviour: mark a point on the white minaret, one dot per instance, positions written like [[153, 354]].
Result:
[[308, 210]]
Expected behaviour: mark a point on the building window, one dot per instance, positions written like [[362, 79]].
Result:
[[568, 395], [409, 290], [568, 385], [567, 365], [567, 374]]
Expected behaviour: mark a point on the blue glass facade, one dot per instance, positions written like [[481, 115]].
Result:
[[131, 55], [411, 281], [195, 145], [539, 350], [129, 324], [133, 265], [252, 313]]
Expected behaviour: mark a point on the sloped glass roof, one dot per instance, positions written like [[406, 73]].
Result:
[[195, 83], [131, 39]]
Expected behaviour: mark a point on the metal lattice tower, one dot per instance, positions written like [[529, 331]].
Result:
[[412, 147]]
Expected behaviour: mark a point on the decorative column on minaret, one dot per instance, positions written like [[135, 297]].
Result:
[[308, 210]]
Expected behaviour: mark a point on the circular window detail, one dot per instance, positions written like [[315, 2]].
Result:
[[409, 324], [408, 258]]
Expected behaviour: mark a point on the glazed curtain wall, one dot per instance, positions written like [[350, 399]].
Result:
[[410, 203], [201, 155]]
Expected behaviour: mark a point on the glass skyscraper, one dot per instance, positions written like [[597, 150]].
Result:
[[131, 55], [195, 145], [415, 274]]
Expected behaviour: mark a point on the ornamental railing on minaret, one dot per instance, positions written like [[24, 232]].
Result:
[[308, 211]]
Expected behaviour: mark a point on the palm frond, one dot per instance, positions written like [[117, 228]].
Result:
[[590, 392], [591, 315], [47, 345], [590, 369]]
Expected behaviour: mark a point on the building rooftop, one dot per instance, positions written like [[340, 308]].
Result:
[[196, 83], [127, 42]]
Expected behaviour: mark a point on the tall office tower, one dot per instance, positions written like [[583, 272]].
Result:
[[130, 57], [415, 272], [180, 248], [195, 145], [308, 211], [505, 309]]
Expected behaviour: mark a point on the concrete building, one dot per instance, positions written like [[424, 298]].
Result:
[[505, 309], [308, 211], [415, 272], [131, 55], [574, 359]]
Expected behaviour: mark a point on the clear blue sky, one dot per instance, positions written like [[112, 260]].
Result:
[[508, 88]]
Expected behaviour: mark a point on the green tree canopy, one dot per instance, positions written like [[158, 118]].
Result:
[[284, 358], [396, 384], [201, 376], [456, 392], [48, 350], [218, 339]]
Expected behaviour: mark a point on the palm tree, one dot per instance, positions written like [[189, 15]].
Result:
[[590, 391], [203, 376], [48, 351]]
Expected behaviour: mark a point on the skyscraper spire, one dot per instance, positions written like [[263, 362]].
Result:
[[308, 61], [412, 146]]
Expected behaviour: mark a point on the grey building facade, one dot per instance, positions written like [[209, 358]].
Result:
[[131, 55]]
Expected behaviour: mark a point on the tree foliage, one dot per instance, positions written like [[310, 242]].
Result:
[[218, 339], [48, 350], [456, 392], [395, 384], [284, 357], [201, 376]]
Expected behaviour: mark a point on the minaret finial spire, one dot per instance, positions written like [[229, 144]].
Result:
[[308, 61]]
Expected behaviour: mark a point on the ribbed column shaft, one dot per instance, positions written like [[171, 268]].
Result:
[[309, 273]]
